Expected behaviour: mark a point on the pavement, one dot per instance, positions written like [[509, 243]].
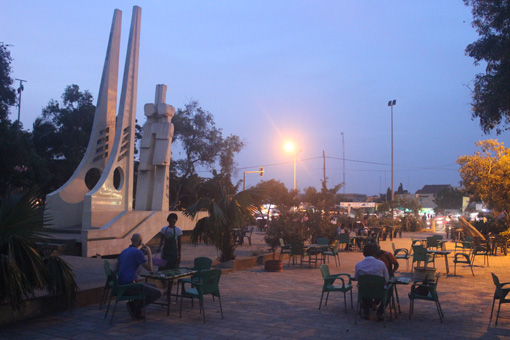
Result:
[[284, 305]]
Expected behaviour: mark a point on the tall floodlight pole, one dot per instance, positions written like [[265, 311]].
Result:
[[20, 89], [343, 157], [290, 147], [392, 103]]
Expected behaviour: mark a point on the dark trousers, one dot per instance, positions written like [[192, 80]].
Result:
[[151, 294]]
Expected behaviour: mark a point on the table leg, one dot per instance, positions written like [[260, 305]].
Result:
[[169, 296], [398, 301], [446, 264]]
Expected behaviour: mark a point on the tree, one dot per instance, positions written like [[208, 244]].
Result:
[[23, 268], [7, 92], [203, 145], [486, 176], [226, 213], [61, 135], [491, 94], [278, 194], [449, 198]]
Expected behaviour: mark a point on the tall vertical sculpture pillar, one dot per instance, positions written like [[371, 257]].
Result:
[[113, 193], [152, 188], [65, 205]]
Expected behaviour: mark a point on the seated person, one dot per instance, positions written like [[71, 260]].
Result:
[[127, 266], [389, 260], [371, 266]]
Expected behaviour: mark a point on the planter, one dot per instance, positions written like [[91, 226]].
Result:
[[273, 266], [424, 273]]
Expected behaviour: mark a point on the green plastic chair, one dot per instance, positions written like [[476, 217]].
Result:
[[329, 286], [119, 292], [432, 242], [344, 238], [332, 252], [372, 287], [208, 284], [401, 254], [465, 245], [430, 288], [500, 294], [297, 249], [420, 254], [462, 258], [482, 249], [108, 284], [415, 243], [284, 248]]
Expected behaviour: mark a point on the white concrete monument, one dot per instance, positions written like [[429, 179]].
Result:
[[98, 199]]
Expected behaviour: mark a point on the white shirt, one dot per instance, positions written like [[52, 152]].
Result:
[[167, 231], [371, 266]]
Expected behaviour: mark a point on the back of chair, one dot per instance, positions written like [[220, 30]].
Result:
[[282, 244], [210, 282], [432, 242], [325, 271], [107, 269], [297, 248], [202, 263], [420, 253], [393, 246], [323, 241], [371, 287], [499, 289], [438, 237], [344, 238]]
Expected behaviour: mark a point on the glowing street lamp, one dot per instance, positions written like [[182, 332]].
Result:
[[290, 147]]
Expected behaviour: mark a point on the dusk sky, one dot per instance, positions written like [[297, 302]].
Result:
[[272, 71]]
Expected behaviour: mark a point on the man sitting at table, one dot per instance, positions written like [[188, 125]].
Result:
[[127, 266], [371, 266], [389, 260]]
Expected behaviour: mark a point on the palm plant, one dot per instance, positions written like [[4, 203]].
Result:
[[22, 268], [226, 213]]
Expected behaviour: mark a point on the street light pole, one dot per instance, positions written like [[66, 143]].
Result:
[[392, 103], [20, 89], [343, 157]]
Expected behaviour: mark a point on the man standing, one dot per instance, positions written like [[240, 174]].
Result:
[[127, 266], [371, 266], [170, 241]]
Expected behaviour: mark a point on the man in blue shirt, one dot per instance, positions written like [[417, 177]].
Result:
[[128, 263]]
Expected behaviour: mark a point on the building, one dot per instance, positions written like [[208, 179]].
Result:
[[426, 195]]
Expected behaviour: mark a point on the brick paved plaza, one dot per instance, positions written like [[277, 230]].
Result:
[[284, 305]]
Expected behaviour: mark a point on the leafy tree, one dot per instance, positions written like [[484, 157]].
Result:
[[323, 200], [7, 92], [486, 175], [491, 94], [203, 145], [278, 194], [61, 134], [23, 269], [226, 212], [449, 198]]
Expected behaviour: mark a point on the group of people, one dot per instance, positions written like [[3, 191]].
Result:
[[138, 254], [376, 262]]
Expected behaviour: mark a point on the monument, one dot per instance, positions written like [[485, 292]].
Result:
[[97, 201]]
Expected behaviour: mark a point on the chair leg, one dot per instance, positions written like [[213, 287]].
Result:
[[497, 314], [320, 303], [492, 310], [202, 308], [108, 308], [439, 311], [352, 306], [221, 309], [327, 297], [113, 311], [345, 303]]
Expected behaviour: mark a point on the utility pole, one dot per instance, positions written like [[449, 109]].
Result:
[[324, 165], [343, 158], [20, 89], [392, 103]]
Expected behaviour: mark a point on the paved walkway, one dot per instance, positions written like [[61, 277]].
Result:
[[284, 305]]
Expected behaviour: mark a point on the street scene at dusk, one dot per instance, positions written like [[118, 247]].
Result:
[[268, 154]]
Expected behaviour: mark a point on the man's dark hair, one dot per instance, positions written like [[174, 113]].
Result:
[[370, 249], [172, 216]]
